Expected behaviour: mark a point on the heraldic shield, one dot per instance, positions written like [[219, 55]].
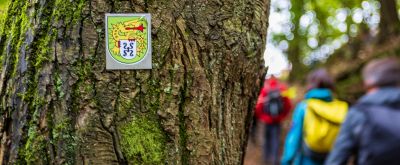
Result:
[[128, 41]]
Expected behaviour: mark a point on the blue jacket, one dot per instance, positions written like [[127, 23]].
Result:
[[293, 144], [349, 137]]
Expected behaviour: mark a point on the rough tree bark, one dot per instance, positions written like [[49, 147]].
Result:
[[60, 106]]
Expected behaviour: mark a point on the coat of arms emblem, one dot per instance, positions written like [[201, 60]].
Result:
[[128, 41]]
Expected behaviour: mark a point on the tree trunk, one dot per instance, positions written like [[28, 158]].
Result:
[[389, 24], [60, 106], [294, 53]]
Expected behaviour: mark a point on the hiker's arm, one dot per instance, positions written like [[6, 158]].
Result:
[[260, 101], [346, 141], [294, 137]]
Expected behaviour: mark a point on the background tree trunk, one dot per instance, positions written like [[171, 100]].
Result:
[[294, 53], [60, 106], [389, 24]]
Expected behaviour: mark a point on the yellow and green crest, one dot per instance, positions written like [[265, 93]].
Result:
[[128, 38]]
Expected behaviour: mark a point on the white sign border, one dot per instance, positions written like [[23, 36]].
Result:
[[146, 62]]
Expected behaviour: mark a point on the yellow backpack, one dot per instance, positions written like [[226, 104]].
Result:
[[322, 122]]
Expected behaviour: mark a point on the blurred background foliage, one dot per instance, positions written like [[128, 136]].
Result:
[[341, 35], [3, 6], [3, 9], [3, 3]]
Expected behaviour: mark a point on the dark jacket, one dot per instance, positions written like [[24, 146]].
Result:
[[372, 108]]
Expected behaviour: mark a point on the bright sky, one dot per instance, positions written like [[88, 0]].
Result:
[[275, 59], [273, 56]]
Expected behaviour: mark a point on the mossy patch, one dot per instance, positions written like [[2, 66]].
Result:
[[142, 141], [63, 134], [34, 147]]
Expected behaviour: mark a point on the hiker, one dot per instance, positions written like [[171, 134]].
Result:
[[315, 124], [271, 108], [371, 131]]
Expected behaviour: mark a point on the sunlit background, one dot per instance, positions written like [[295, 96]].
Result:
[[317, 36]]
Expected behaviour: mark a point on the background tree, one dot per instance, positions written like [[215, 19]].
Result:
[[339, 35], [319, 28], [60, 106], [390, 23]]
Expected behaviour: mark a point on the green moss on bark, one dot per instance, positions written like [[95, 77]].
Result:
[[35, 144], [64, 134], [142, 141], [34, 150]]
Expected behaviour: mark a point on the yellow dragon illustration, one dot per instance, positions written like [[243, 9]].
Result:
[[129, 30]]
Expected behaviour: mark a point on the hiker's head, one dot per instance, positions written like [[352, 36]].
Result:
[[320, 78], [380, 73], [270, 76]]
